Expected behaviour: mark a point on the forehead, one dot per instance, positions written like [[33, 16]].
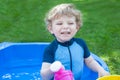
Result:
[[64, 17]]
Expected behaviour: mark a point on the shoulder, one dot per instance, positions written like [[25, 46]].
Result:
[[52, 45], [80, 41]]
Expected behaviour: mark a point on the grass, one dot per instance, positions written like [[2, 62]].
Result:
[[23, 21]]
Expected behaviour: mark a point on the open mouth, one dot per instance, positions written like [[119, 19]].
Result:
[[66, 33]]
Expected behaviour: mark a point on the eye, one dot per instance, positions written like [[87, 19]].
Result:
[[70, 23], [59, 23]]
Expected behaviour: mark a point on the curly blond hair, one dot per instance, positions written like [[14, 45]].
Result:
[[67, 9]]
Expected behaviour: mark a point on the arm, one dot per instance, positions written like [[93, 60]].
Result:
[[45, 71], [92, 64]]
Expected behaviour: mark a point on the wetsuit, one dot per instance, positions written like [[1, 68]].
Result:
[[71, 54]]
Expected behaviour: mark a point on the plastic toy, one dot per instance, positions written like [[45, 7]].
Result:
[[60, 73]]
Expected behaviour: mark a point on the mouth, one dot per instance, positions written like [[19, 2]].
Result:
[[65, 33]]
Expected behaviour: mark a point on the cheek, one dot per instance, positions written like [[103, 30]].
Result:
[[74, 31], [54, 30]]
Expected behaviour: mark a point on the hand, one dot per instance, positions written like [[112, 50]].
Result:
[[103, 73], [56, 66]]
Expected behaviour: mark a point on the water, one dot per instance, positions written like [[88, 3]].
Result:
[[21, 76]]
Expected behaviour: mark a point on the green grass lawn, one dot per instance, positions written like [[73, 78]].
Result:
[[23, 21]]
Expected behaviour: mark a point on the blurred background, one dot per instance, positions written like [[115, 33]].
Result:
[[23, 21]]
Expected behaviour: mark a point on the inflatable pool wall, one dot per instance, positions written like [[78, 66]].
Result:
[[22, 61]]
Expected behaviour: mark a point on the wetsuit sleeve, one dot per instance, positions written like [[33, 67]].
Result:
[[86, 50], [49, 53]]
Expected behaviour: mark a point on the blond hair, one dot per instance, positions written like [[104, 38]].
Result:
[[64, 9]]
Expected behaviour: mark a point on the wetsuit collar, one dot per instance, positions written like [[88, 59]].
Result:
[[67, 43]]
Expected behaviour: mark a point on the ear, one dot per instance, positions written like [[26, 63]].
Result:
[[50, 29], [78, 27]]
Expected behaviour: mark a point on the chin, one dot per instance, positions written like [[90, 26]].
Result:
[[66, 40]]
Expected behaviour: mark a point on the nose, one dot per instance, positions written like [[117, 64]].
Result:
[[65, 26]]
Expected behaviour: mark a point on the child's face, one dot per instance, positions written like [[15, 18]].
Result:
[[64, 28]]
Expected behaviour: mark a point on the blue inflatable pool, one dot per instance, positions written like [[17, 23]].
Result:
[[22, 61]]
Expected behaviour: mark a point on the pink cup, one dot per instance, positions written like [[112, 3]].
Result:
[[60, 73], [63, 75]]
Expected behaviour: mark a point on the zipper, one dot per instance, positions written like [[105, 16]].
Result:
[[70, 58]]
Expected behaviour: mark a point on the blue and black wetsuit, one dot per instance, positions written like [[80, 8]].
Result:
[[71, 54]]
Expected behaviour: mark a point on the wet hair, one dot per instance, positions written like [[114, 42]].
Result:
[[64, 9]]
